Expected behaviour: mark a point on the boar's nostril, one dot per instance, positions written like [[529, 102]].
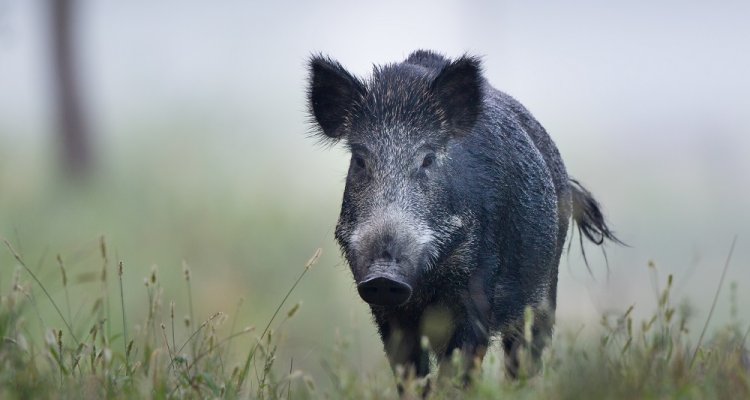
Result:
[[369, 290], [398, 290], [384, 291], [386, 255]]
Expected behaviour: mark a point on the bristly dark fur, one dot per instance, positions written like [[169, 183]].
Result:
[[331, 94], [428, 59], [589, 219], [588, 215], [426, 88], [458, 88], [456, 203]]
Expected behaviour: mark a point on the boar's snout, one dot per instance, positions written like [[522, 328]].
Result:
[[387, 252], [384, 290]]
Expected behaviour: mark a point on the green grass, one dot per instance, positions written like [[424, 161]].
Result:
[[146, 360], [77, 352]]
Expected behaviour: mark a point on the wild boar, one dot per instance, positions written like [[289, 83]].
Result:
[[456, 207]]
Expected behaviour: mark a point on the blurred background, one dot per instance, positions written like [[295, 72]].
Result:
[[178, 130]]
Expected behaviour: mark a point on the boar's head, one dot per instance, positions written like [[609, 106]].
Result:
[[402, 208]]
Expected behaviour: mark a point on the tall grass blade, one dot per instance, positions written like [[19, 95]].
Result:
[[246, 367], [44, 289], [716, 298], [124, 322]]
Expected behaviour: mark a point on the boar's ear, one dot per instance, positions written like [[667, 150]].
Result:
[[458, 90], [331, 94]]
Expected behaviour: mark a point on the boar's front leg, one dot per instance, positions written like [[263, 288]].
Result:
[[471, 341], [404, 350]]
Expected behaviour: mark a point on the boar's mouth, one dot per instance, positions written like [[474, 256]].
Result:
[[384, 288]]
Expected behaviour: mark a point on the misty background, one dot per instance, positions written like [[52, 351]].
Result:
[[200, 148]]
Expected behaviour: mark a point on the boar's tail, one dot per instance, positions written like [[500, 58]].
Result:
[[588, 218]]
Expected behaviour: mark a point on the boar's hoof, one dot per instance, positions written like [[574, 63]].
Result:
[[382, 290]]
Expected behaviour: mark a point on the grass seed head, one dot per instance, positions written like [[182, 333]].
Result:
[[186, 270], [293, 310], [314, 259], [62, 270], [103, 247]]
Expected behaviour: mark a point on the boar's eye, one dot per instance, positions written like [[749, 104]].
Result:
[[428, 160], [359, 162]]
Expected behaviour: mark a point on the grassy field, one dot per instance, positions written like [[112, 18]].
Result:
[[54, 348], [211, 244], [178, 266]]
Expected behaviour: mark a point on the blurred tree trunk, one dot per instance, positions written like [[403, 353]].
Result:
[[71, 122]]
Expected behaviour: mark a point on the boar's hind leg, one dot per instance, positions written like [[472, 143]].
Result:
[[522, 358]]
